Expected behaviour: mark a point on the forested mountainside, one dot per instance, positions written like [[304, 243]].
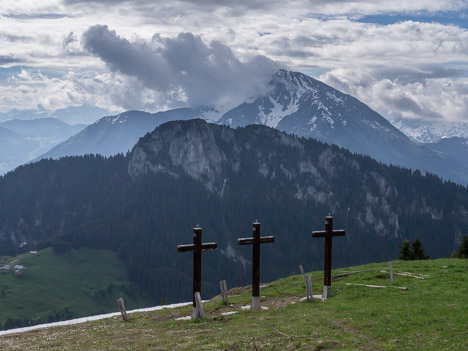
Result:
[[191, 172]]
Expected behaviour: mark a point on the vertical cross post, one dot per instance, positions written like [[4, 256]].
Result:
[[328, 234], [255, 241], [197, 247]]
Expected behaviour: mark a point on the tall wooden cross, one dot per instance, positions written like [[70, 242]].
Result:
[[197, 247], [255, 241], [328, 234]]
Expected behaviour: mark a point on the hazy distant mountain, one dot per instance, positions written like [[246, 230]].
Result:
[[85, 114], [24, 140], [118, 134], [455, 150], [52, 130], [23, 114], [430, 131], [39, 130], [15, 149]]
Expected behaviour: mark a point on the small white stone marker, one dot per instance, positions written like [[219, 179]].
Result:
[[228, 313], [248, 307], [186, 318]]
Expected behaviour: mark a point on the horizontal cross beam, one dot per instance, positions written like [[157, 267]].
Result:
[[191, 247], [322, 234], [251, 241]]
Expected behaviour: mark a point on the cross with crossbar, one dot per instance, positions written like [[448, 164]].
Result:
[[255, 241], [197, 247], [328, 234]]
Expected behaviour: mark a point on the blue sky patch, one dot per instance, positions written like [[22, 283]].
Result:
[[459, 19]]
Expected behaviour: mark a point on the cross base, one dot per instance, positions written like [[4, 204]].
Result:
[[255, 303], [327, 291], [195, 313]]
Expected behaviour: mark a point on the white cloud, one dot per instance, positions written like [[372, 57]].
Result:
[[183, 69], [435, 98], [305, 35], [25, 90]]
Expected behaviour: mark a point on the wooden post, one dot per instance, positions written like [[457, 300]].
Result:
[[223, 287], [308, 284], [310, 296], [199, 306], [121, 305], [390, 271]]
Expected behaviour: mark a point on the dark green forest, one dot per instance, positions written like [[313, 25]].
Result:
[[289, 184]]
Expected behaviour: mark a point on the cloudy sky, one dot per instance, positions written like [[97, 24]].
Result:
[[403, 58]]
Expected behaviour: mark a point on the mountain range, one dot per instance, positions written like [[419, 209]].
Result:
[[111, 135], [430, 131], [84, 114], [143, 204], [294, 103]]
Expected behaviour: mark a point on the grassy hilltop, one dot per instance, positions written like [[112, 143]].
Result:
[[431, 315], [63, 286]]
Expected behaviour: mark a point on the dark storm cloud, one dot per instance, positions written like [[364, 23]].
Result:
[[183, 67]]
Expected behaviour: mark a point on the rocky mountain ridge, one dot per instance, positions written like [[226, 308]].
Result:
[[294, 103]]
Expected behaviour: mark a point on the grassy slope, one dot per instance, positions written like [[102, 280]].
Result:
[[77, 280], [431, 315]]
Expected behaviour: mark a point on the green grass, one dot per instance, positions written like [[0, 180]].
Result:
[[431, 315], [83, 282]]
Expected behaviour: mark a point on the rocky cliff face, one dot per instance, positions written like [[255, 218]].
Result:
[[307, 171], [193, 150]]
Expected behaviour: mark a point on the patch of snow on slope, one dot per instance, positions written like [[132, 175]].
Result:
[[89, 319], [277, 112], [335, 98], [115, 119]]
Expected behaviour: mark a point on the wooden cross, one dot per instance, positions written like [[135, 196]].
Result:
[[255, 241], [197, 247], [328, 234]]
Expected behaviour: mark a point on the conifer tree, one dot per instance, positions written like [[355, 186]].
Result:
[[418, 251], [463, 248], [405, 251]]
